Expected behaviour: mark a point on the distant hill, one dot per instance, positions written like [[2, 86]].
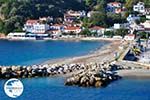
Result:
[[14, 12], [36, 8]]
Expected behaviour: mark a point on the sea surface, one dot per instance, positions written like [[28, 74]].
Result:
[[54, 89], [36, 52]]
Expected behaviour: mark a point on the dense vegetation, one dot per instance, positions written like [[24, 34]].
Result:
[[13, 13]]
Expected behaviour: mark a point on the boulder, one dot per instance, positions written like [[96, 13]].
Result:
[[98, 83]]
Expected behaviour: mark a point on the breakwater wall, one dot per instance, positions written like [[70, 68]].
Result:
[[92, 78], [47, 70]]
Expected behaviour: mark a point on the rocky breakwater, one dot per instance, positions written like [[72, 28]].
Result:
[[46, 70], [96, 77]]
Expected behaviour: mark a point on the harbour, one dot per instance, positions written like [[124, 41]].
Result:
[[55, 50], [55, 79]]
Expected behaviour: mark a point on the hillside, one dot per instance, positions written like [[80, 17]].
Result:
[[14, 12]]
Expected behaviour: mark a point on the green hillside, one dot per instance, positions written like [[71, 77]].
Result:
[[13, 13]]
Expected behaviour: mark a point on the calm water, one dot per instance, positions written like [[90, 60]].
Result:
[[34, 52], [54, 89]]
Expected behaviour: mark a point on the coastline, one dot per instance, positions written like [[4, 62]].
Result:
[[100, 56], [67, 39], [106, 53]]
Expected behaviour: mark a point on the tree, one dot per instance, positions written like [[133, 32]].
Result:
[[99, 19], [86, 32], [109, 33], [12, 24], [121, 32], [147, 3], [142, 19], [142, 35], [114, 18], [137, 22], [101, 4], [13, 12], [1, 26], [129, 4], [88, 2], [86, 22]]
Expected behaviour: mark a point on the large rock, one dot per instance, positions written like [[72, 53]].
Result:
[[98, 83]]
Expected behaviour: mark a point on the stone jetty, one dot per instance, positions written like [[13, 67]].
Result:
[[95, 77], [86, 75], [47, 70]]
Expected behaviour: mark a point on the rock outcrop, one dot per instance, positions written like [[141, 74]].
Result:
[[92, 78]]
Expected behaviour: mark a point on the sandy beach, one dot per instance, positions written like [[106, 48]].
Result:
[[103, 54]]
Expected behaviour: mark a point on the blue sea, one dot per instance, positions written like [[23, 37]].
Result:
[[54, 89], [35, 52]]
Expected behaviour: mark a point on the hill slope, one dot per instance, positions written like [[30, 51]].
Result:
[[14, 12]]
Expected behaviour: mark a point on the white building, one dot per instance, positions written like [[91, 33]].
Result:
[[129, 37], [72, 29], [132, 18], [115, 7], [119, 26], [57, 27], [34, 26], [90, 13], [27, 36], [76, 13], [146, 24], [139, 7], [16, 36], [99, 30], [147, 16]]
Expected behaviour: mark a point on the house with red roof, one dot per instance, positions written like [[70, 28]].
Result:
[[98, 29], [56, 27], [72, 29], [71, 16], [114, 7], [34, 26]]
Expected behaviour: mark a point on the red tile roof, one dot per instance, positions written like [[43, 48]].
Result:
[[131, 35], [115, 3], [72, 28], [97, 28], [32, 21]]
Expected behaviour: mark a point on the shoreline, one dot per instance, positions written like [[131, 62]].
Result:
[[65, 39], [101, 54]]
